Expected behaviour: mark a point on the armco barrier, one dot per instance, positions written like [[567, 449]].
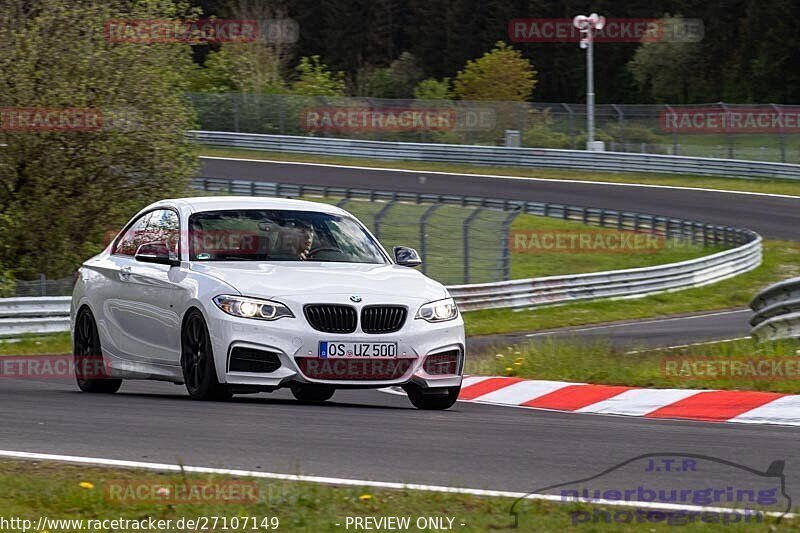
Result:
[[615, 284], [19, 316], [500, 156], [777, 311]]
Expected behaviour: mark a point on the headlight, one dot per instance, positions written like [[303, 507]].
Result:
[[252, 307], [438, 311]]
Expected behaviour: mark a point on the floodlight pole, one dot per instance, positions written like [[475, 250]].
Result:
[[590, 85], [587, 26]]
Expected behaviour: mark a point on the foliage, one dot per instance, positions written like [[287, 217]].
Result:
[[633, 132], [61, 191], [541, 133], [502, 74], [8, 284], [314, 79], [433, 89], [239, 67], [395, 81], [663, 69]]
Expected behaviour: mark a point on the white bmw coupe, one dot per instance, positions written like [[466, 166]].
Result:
[[233, 295]]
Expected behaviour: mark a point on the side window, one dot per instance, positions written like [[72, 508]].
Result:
[[164, 226], [132, 239]]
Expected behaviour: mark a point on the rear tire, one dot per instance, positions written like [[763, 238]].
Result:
[[312, 393], [90, 370], [197, 361], [432, 399]]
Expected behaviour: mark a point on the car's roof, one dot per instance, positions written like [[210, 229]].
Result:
[[216, 203]]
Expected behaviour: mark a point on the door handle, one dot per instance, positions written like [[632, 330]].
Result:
[[125, 273]]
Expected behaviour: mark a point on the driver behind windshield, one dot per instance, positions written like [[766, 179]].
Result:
[[279, 235], [297, 239]]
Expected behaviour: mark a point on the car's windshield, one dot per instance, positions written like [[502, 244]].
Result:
[[280, 235]]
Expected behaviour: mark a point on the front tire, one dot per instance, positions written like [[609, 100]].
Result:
[[197, 361], [90, 370], [312, 393], [432, 400]]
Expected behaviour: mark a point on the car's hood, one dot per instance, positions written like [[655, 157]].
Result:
[[274, 279]]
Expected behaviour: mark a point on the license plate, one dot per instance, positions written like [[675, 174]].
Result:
[[330, 349]]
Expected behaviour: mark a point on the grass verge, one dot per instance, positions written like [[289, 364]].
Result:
[[644, 178], [52, 343], [735, 365], [781, 261], [32, 490]]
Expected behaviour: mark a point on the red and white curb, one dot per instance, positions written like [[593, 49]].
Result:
[[744, 407]]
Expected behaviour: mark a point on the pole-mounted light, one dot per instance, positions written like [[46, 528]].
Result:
[[588, 26]]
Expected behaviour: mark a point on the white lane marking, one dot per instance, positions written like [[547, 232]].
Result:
[[689, 345], [785, 410], [638, 402], [624, 324], [500, 176], [163, 467], [522, 392]]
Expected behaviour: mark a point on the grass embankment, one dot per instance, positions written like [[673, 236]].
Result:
[[734, 365], [32, 490], [644, 178], [54, 343], [781, 261]]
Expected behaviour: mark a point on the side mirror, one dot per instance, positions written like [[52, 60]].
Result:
[[406, 256], [156, 252]]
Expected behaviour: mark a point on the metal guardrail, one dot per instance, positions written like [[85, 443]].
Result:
[[745, 254], [20, 316], [777, 311], [628, 283], [501, 156], [656, 129]]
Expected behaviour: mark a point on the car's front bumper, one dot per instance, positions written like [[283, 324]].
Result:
[[293, 339]]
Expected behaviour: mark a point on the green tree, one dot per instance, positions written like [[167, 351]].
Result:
[[395, 81], [61, 191], [314, 79], [433, 89], [502, 74], [240, 67], [665, 71]]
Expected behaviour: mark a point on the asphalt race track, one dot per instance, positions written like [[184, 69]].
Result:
[[772, 216], [366, 435]]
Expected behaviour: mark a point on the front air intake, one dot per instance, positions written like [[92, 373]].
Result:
[[382, 318], [331, 318], [251, 360]]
